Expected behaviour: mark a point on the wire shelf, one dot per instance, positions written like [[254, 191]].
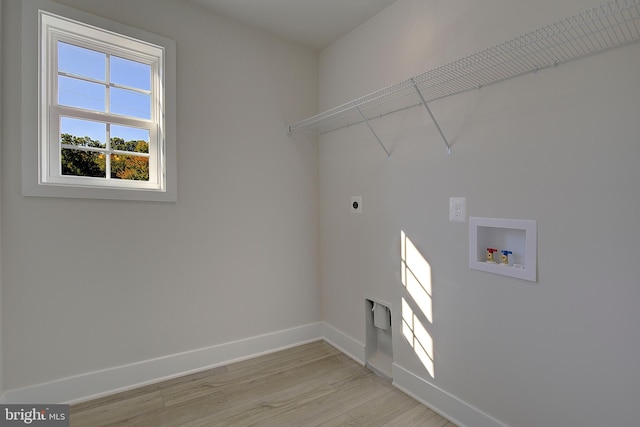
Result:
[[613, 24]]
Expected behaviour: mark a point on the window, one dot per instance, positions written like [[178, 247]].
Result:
[[100, 97], [106, 98]]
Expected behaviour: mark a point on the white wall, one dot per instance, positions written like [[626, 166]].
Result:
[[2, 37], [559, 147], [96, 284]]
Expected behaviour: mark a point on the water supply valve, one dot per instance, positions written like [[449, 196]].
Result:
[[490, 252]]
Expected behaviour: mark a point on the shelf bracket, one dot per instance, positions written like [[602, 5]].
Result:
[[444, 138], [371, 129]]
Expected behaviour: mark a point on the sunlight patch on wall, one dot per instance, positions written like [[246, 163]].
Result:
[[416, 278], [418, 337]]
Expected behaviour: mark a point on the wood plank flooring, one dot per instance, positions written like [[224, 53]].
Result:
[[309, 385]]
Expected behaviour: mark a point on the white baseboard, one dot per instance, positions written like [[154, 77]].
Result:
[[352, 348], [104, 382], [107, 381], [446, 404]]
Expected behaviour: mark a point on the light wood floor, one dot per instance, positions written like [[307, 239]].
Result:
[[310, 385]]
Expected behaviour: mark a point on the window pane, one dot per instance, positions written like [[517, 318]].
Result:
[[81, 61], [130, 73], [129, 103], [126, 138], [129, 167], [81, 94], [82, 163], [83, 133]]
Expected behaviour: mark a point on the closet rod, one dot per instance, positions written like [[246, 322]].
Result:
[[610, 25]]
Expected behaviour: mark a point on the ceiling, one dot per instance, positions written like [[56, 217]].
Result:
[[312, 23]]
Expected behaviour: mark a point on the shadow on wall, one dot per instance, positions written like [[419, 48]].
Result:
[[417, 304]]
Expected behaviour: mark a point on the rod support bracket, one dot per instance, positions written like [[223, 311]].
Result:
[[364, 119], [424, 102]]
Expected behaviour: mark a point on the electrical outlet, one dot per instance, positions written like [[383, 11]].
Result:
[[458, 209], [356, 204]]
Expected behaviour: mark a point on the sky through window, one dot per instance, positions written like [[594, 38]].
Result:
[[105, 83]]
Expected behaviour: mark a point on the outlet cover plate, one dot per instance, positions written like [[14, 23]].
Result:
[[458, 209]]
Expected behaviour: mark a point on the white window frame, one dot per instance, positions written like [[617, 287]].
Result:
[[42, 174]]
